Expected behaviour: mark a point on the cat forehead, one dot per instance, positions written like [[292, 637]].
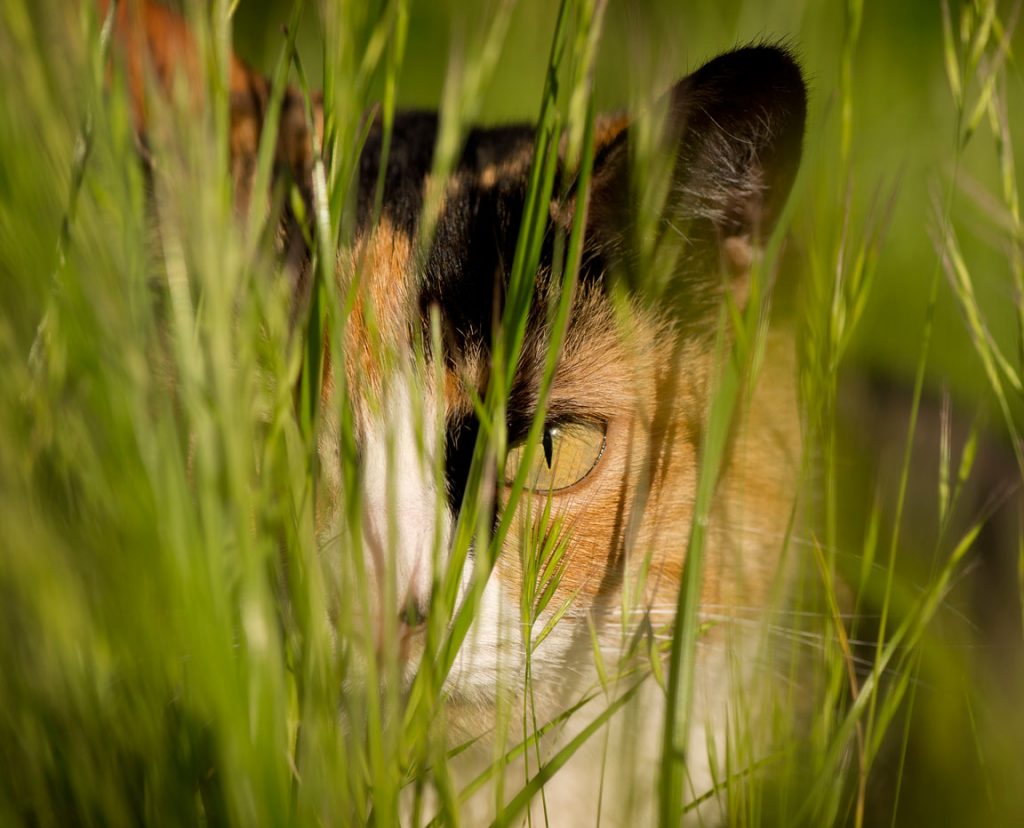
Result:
[[463, 272], [492, 166], [396, 299], [462, 269]]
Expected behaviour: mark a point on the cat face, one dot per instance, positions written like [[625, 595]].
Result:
[[612, 477], [611, 470]]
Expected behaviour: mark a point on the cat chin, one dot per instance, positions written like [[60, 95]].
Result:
[[584, 791], [486, 717]]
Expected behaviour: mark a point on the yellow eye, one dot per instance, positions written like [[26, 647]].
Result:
[[567, 453]]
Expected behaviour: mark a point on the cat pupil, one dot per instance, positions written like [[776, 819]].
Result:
[[546, 442]]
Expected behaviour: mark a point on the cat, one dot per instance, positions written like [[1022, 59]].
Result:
[[612, 479]]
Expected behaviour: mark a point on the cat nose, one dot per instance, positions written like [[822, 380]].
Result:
[[413, 615], [412, 624], [408, 571]]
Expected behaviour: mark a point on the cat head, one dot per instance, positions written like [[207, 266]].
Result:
[[610, 457], [611, 479]]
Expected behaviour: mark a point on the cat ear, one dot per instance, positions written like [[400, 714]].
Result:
[[156, 43], [733, 133]]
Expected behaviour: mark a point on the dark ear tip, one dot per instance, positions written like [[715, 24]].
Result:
[[776, 63], [765, 75], [742, 117], [737, 127]]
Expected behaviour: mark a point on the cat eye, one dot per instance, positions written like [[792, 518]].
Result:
[[567, 453]]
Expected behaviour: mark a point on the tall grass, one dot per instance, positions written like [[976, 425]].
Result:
[[174, 650]]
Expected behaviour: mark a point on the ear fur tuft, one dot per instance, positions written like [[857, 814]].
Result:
[[735, 127], [741, 118]]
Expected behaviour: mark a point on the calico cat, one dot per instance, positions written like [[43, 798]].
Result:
[[611, 479]]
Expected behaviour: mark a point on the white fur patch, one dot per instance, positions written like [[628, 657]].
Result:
[[400, 496]]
